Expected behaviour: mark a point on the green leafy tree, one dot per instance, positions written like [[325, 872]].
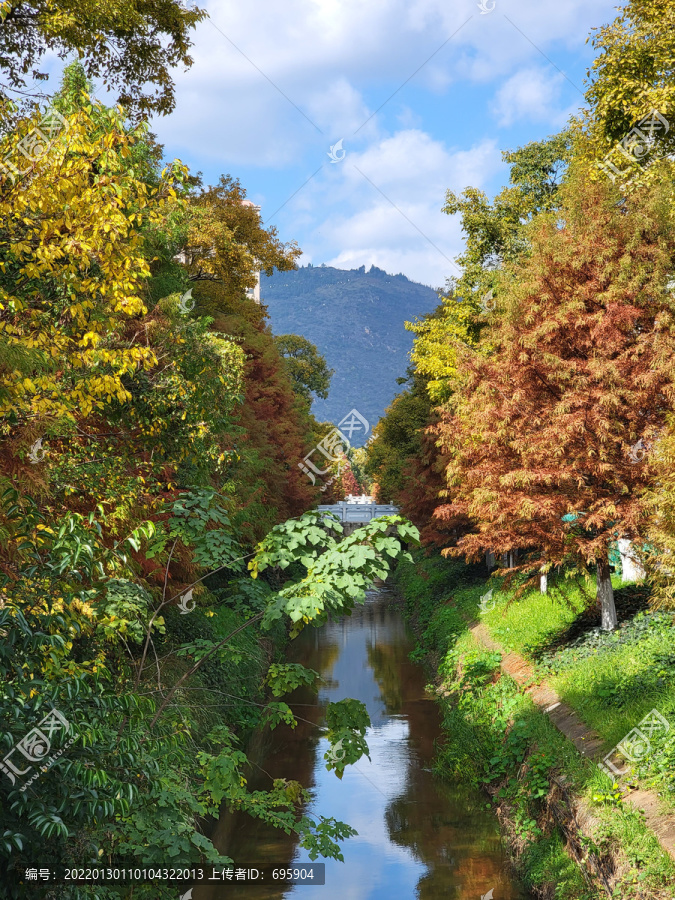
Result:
[[130, 46], [495, 235], [631, 76], [397, 438], [225, 240], [404, 461], [209, 246], [306, 367], [439, 337], [494, 231], [81, 620]]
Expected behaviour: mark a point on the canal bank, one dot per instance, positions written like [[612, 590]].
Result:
[[419, 835], [571, 836]]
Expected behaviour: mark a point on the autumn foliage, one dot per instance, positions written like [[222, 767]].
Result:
[[150, 435], [271, 428], [545, 444], [546, 438]]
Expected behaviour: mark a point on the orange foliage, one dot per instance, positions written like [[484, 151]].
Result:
[[582, 370]]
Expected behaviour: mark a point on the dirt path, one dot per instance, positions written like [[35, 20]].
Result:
[[588, 742]]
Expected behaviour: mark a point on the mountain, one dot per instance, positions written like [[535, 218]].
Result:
[[355, 317]]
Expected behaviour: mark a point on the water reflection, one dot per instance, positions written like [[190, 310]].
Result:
[[418, 836]]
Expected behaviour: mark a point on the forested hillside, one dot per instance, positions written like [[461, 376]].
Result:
[[356, 320]]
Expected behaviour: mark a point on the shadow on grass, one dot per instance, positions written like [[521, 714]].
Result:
[[629, 600]]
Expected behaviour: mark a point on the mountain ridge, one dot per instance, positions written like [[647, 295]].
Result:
[[356, 319]]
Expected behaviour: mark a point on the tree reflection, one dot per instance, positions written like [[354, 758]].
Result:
[[429, 817]]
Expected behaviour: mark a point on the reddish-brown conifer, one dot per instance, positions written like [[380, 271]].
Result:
[[550, 423]]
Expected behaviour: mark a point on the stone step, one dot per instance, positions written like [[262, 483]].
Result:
[[587, 741]]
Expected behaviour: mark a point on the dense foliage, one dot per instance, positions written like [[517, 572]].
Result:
[[498, 736], [547, 368], [541, 436], [153, 546], [132, 46]]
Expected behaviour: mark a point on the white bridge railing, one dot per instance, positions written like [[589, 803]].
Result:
[[359, 512]]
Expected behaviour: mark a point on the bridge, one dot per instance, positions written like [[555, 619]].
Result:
[[351, 513]]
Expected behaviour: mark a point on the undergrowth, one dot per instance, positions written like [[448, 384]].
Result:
[[495, 737]]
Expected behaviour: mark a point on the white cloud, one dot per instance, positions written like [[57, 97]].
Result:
[[255, 63], [274, 85], [339, 109], [531, 94], [408, 118], [384, 206]]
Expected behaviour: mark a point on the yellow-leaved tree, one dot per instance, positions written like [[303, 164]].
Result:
[[71, 265], [628, 127]]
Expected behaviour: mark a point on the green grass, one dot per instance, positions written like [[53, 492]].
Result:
[[614, 688], [531, 621], [497, 737], [611, 680], [546, 862]]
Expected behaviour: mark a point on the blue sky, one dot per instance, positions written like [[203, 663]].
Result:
[[274, 85]]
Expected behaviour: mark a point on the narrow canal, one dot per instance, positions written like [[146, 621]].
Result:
[[418, 835]]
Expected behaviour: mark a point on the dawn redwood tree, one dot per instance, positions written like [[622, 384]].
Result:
[[349, 483], [403, 458], [423, 484], [549, 425], [660, 501], [397, 439], [273, 427]]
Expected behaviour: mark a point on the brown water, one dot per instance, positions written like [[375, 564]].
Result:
[[418, 835]]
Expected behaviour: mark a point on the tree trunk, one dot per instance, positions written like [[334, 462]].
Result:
[[490, 561], [605, 596], [631, 567], [543, 584], [509, 559]]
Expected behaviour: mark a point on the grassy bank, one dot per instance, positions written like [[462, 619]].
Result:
[[533, 775]]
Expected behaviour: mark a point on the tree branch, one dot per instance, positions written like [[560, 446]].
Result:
[[154, 616], [198, 664]]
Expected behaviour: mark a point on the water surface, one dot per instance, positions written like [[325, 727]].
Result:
[[418, 835]]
